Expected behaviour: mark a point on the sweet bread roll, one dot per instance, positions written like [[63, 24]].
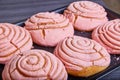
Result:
[[34, 65], [108, 35], [86, 15], [48, 28], [82, 56], [13, 40]]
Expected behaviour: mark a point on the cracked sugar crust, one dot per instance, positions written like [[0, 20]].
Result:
[[13, 40], [108, 36], [80, 12], [46, 20], [46, 26], [79, 54], [34, 65]]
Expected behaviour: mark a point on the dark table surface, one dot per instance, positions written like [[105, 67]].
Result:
[[13, 11]]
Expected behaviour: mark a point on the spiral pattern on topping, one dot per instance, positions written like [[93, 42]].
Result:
[[87, 9], [13, 40], [34, 65], [80, 12], [108, 36], [46, 26], [46, 20], [78, 53]]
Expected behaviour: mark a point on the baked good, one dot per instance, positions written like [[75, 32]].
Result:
[[108, 36], [48, 28], [13, 40], [34, 65], [85, 15], [82, 56]]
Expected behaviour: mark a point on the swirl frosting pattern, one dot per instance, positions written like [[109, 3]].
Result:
[[81, 12], [108, 36], [34, 65], [46, 26], [13, 40], [81, 54]]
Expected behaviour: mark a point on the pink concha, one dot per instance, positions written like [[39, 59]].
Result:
[[81, 54], [34, 65], [86, 15], [108, 36], [48, 28], [13, 40]]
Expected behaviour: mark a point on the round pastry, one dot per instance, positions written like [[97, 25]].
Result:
[[13, 40], [82, 56], [34, 65], [85, 15], [108, 36], [48, 28]]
